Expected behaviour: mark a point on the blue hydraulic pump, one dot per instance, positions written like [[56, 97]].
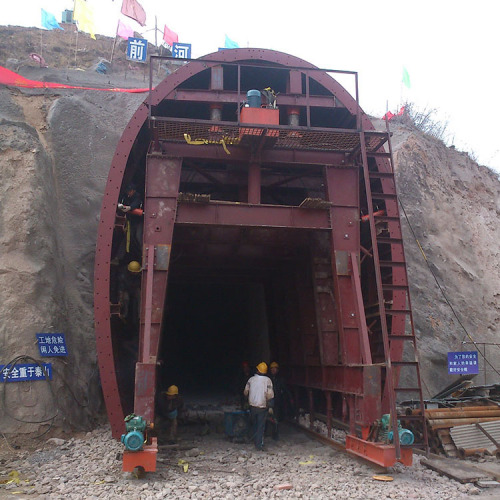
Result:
[[406, 437], [135, 437]]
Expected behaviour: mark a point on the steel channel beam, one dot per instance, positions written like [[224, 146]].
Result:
[[381, 450], [268, 156], [232, 214], [345, 379], [228, 96], [162, 187], [360, 310]]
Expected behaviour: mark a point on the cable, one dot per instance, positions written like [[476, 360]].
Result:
[[10, 366], [442, 291], [8, 444], [68, 387]]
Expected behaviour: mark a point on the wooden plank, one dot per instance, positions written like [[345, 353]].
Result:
[[491, 468], [488, 484], [459, 471]]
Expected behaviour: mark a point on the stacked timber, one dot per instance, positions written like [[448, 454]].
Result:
[[441, 420]]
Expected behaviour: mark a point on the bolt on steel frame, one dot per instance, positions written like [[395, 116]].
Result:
[[343, 322]]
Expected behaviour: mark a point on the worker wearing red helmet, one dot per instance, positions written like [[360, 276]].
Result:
[[259, 390], [282, 397]]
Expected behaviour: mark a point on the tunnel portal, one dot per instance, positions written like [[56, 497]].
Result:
[[268, 229]]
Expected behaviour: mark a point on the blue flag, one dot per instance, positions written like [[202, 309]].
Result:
[[49, 21], [229, 44]]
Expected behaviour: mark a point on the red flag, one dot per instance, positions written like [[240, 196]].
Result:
[[134, 10], [388, 116], [124, 31], [8, 77], [169, 36]]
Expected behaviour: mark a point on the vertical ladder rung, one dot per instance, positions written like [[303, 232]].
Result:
[[397, 312], [385, 240], [380, 175], [384, 196]]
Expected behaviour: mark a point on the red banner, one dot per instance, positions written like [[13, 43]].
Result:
[[12, 79], [134, 10]]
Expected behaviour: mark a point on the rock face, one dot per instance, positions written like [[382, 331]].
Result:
[[55, 152], [453, 207]]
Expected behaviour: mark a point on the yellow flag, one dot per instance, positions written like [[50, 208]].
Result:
[[84, 16]]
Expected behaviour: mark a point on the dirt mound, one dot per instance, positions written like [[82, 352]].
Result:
[[65, 48]]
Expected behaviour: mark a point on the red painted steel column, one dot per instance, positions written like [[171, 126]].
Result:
[[254, 183], [328, 395], [311, 408], [366, 354], [342, 190], [160, 205]]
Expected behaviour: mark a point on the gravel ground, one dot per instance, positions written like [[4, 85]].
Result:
[[90, 467]]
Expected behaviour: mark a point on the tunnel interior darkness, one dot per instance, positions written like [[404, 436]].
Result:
[[210, 328], [227, 302]]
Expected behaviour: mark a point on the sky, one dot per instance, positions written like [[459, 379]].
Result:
[[447, 47]]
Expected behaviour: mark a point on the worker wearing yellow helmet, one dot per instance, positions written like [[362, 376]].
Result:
[[170, 405], [259, 390], [134, 266], [129, 291]]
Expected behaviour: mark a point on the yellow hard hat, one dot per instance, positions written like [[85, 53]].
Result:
[[134, 266], [173, 390], [262, 368], [274, 365]]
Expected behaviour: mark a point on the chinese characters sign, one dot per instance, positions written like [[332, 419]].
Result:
[[27, 371], [137, 49], [181, 50], [51, 344], [463, 363]]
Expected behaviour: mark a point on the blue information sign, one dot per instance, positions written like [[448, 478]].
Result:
[[26, 371], [181, 50], [463, 363], [51, 344], [137, 49]]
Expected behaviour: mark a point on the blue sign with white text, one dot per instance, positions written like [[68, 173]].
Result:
[[137, 49], [463, 363], [181, 50], [51, 344], [25, 371]]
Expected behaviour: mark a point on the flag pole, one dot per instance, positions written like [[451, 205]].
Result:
[[114, 42], [400, 92], [76, 47], [156, 33], [76, 26]]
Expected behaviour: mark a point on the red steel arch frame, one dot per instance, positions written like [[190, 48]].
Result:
[[115, 179]]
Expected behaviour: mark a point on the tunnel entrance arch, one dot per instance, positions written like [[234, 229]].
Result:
[[299, 194]]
